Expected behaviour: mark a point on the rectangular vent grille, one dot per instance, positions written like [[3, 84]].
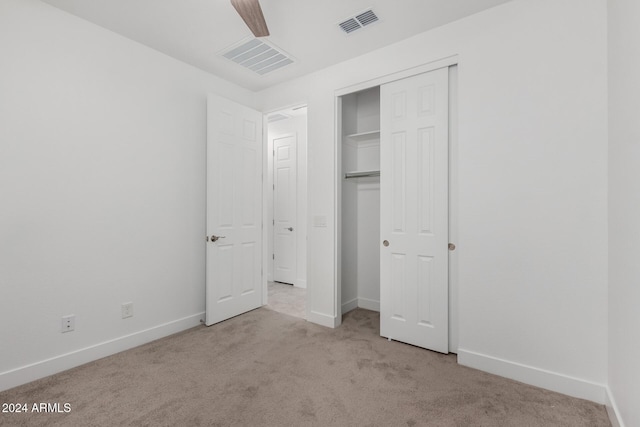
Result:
[[359, 21], [350, 25], [367, 18], [258, 56]]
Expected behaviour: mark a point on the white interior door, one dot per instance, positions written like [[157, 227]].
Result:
[[414, 210], [234, 209], [284, 209]]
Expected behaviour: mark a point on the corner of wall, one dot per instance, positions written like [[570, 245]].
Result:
[[612, 410], [323, 319]]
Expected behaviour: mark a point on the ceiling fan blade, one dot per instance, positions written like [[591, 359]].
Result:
[[251, 12]]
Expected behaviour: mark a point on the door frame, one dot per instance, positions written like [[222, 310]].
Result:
[[268, 192], [265, 210], [448, 62]]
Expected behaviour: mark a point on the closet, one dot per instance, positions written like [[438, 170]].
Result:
[[360, 179], [394, 206]]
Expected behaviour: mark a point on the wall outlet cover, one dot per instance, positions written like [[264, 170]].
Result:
[[68, 323]]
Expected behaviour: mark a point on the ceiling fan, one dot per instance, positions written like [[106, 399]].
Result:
[[251, 12]]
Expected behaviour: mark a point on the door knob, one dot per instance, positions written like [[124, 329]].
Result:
[[215, 238], [289, 228], [452, 247], [385, 243]]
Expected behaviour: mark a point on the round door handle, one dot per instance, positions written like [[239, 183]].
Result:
[[452, 247], [385, 243]]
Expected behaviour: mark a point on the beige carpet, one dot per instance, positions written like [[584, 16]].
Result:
[[268, 369]]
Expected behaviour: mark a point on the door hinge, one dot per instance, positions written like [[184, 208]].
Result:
[[273, 222], [273, 256]]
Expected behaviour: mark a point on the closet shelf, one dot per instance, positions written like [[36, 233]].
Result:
[[361, 174], [363, 136]]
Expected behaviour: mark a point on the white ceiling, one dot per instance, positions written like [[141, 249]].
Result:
[[197, 31]]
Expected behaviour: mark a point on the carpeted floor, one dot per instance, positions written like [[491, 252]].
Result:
[[268, 369]]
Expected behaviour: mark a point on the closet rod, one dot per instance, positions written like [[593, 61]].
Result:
[[361, 174]]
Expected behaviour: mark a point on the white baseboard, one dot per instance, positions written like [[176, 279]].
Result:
[[612, 410], [63, 362], [300, 283], [322, 319], [349, 305], [369, 304], [534, 376]]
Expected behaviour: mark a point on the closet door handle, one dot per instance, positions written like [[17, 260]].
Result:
[[385, 243], [289, 228]]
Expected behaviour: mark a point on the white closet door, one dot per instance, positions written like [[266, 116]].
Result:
[[234, 209], [414, 211]]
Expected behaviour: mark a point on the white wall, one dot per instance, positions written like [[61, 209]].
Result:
[[532, 185], [102, 190], [368, 226], [296, 125], [624, 208]]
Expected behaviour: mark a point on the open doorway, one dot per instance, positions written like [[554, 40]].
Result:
[[287, 210]]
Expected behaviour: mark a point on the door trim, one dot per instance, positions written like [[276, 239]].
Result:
[[453, 210], [265, 202], [265, 195], [388, 78]]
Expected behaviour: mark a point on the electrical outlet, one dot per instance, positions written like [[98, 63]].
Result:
[[127, 310], [68, 323]]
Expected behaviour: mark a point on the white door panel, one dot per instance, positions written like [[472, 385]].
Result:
[[234, 209], [414, 210], [284, 209]]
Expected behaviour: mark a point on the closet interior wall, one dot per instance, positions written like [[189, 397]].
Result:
[[360, 229]]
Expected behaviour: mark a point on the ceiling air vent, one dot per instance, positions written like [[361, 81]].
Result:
[[350, 25], [258, 56], [360, 20], [366, 18]]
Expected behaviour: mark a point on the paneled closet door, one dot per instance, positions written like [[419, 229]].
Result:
[[414, 210]]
